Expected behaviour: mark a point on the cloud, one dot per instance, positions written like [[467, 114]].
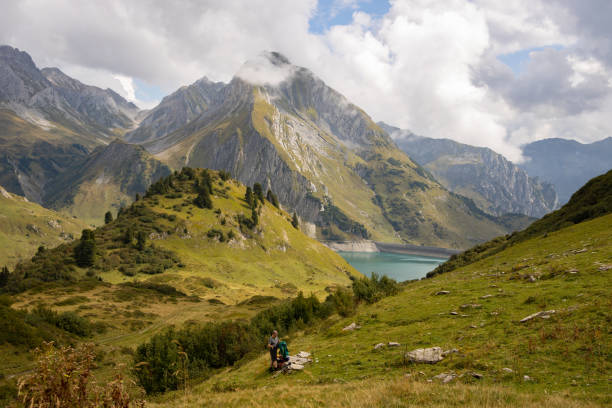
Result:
[[266, 69], [430, 66]]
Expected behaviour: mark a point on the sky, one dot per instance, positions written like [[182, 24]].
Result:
[[494, 73]]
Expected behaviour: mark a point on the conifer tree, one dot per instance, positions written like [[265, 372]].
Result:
[[255, 217], [203, 199], [85, 251], [248, 197], [141, 240], [258, 191], [108, 217], [295, 222], [271, 197], [128, 237], [4, 276]]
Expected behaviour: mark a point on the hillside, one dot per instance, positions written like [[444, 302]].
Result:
[[322, 155], [108, 178], [495, 184], [558, 360], [24, 226], [567, 164], [593, 200]]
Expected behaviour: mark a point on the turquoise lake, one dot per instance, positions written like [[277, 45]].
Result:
[[397, 266]]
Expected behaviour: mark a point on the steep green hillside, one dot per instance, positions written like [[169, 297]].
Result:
[[593, 200], [24, 226], [562, 358], [107, 178], [200, 251]]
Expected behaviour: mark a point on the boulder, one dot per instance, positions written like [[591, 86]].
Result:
[[379, 345], [604, 268], [478, 376], [443, 292], [527, 378], [486, 296], [351, 326], [393, 344], [544, 314], [430, 355], [454, 313], [507, 370], [445, 377]]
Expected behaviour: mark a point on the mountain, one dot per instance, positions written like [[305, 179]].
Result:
[[495, 184], [109, 177], [48, 121], [177, 109], [51, 99], [24, 226], [567, 164], [279, 125], [591, 201]]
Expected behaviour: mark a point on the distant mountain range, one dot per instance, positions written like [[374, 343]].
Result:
[[567, 164], [495, 184], [275, 124]]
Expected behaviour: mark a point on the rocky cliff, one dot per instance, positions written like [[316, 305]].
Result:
[[495, 184]]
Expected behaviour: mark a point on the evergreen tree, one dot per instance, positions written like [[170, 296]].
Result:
[[4, 276], [294, 221], [203, 199], [271, 197], [248, 197], [108, 217], [128, 237], [258, 191], [254, 218], [141, 240], [206, 181], [41, 250], [137, 197], [85, 251]]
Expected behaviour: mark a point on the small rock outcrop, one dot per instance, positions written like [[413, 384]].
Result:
[[544, 314], [430, 355], [351, 327]]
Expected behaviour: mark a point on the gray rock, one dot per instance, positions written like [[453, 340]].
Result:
[[454, 313], [445, 377], [527, 378], [486, 296], [443, 292], [351, 327], [507, 370], [430, 355], [478, 376], [545, 314], [393, 344], [379, 345], [470, 306]]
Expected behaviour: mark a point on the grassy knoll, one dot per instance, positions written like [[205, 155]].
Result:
[[567, 357]]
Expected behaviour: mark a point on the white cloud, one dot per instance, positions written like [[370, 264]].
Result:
[[427, 65], [262, 71]]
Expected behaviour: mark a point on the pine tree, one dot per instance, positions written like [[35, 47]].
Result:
[[203, 199], [206, 181], [128, 237], [248, 197], [108, 217], [85, 251], [255, 217], [295, 222], [141, 240], [271, 197], [258, 191], [4, 276]]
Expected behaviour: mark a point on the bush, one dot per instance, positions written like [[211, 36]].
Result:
[[62, 377], [373, 289]]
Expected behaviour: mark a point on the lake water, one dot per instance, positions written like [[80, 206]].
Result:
[[397, 266]]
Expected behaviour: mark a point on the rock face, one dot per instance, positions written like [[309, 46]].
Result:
[[49, 121], [567, 164], [48, 96], [321, 155], [427, 355], [495, 184], [108, 177]]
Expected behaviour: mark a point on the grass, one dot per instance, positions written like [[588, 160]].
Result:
[[24, 226], [568, 356]]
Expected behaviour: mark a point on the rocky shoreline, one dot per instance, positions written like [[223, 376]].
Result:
[[373, 246]]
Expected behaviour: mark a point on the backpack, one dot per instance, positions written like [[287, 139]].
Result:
[[283, 351]]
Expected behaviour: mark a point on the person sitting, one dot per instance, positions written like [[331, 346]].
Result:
[[273, 346]]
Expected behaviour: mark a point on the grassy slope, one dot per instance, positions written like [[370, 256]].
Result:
[[275, 261], [568, 356], [24, 226]]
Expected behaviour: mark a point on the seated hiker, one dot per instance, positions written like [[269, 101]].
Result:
[[273, 345], [282, 356]]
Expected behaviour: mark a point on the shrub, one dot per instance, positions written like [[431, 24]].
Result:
[[373, 289]]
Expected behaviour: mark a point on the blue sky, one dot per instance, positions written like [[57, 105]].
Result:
[[340, 12], [518, 61]]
